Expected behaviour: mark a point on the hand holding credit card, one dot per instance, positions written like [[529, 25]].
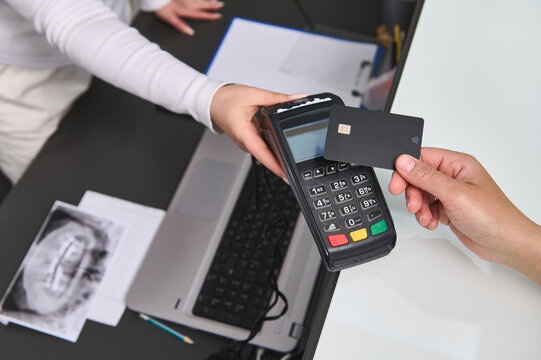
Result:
[[371, 138]]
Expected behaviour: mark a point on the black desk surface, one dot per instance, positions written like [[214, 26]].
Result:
[[114, 143]]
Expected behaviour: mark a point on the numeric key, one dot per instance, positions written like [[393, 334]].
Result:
[[364, 190], [321, 203], [357, 179], [338, 184], [369, 203], [349, 209], [327, 215], [317, 190], [343, 197], [354, 221]]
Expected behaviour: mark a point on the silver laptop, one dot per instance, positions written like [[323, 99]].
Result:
[[170, 278]]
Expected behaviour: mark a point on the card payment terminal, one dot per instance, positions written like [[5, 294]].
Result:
[[342, 203]]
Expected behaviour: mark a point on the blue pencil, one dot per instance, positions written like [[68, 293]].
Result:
[[166, 328]]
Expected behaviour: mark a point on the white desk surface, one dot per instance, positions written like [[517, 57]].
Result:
[[473, 73]]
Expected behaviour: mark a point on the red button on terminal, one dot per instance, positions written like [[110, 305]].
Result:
[[338, 240]]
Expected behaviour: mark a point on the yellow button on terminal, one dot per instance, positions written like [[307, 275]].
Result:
[[358, 235]]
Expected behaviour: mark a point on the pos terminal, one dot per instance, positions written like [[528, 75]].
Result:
[[342, 203]]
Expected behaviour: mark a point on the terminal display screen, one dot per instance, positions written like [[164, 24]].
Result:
[[307, 141]]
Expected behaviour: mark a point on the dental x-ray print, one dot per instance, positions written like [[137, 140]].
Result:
[[52, 290]]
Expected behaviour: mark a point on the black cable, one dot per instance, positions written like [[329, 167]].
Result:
[[233, 351], [304, 14]]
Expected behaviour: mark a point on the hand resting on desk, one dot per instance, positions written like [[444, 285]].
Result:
[[454, 189], [173, 12]]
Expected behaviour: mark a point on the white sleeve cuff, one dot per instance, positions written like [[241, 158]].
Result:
[[197, 99]]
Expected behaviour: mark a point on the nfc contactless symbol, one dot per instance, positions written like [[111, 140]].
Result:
[[344, 129], [415, 140]]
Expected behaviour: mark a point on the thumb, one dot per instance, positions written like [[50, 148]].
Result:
[[425, 177]]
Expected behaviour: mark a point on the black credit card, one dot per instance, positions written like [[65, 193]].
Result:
[[371, 138]]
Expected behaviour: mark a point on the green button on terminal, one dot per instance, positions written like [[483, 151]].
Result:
[[378, 228]]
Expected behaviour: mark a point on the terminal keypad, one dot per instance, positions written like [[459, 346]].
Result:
[[344, 202]]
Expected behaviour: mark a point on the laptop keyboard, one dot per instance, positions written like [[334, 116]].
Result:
[[236, 289]]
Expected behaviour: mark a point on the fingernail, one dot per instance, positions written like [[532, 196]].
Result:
[[286, 180], [405, 163], [189, 31]]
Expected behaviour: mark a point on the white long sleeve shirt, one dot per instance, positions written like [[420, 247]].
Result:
[[93, 34]]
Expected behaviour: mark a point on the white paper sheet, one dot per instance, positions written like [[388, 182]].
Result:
[[143, 221], [334, 63], [292, 61]]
